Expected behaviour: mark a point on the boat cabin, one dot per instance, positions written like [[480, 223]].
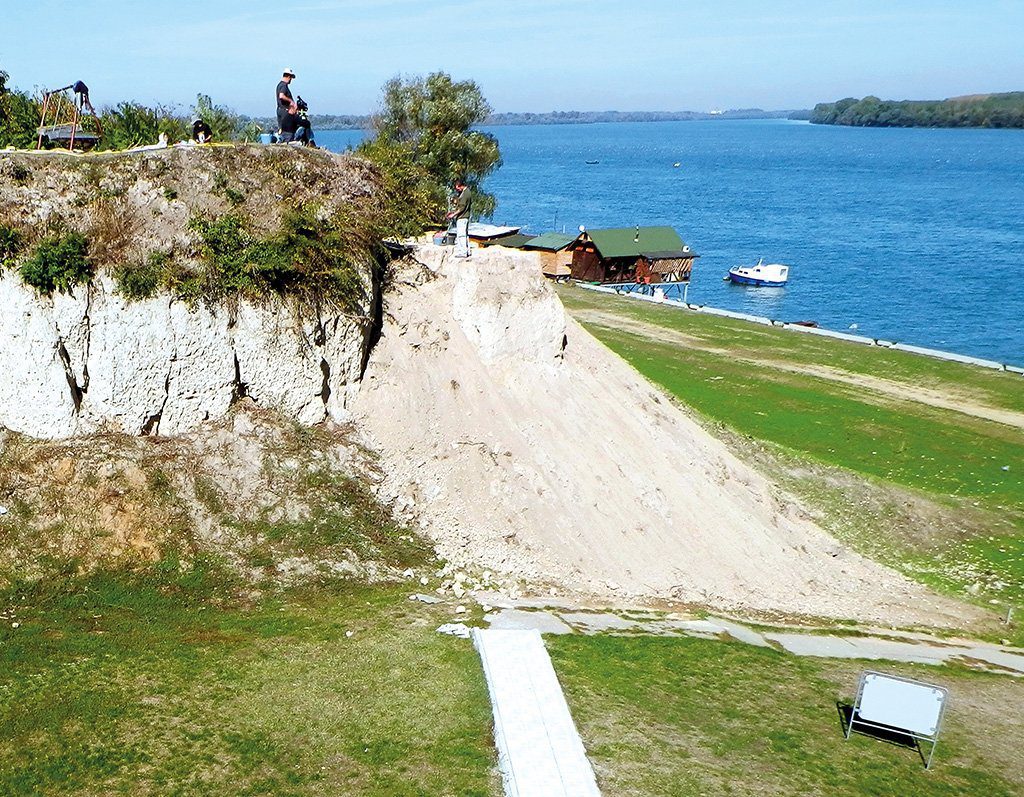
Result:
[[648, 255]]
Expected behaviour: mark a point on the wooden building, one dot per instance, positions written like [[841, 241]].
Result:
[[648, 255], [555, 257]]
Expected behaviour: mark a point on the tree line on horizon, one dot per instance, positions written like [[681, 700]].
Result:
[[518, 118], [986, 110]]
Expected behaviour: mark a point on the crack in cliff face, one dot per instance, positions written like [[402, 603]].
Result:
[[375, 329], [78, 390], [69, 373], [88, 338], [240, 389], [152, 424], [325, 389]]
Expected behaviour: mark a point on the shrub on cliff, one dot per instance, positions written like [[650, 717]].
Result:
[[131, 125], [410, 198], [10, 245], [58, 263], [142, 281], [317, 257]]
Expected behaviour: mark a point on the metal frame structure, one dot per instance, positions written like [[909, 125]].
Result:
[[65, 113], [680, 290], [941, 694]]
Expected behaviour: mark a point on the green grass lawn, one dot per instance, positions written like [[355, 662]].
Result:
[[800, 395], [158, 683], [678, 716]]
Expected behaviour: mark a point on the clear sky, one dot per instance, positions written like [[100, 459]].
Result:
[[532, 55]]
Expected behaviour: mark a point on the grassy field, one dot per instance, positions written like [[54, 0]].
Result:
[[861, 433], [671, 717], [161, 683]]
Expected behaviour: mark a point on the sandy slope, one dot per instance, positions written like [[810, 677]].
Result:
[[527, 447]]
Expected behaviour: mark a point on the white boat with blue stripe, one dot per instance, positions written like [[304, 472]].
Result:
[[764, 275]]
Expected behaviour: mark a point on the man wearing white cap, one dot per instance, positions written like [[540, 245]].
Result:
[[286, 108]]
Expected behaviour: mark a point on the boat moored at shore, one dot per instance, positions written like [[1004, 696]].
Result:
[[764, 275]]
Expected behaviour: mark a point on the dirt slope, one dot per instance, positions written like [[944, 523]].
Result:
[[525, 446]]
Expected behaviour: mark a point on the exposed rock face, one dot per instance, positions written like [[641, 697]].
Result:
[[76, 364]]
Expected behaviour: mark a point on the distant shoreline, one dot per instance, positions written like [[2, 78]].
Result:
[[355, 122], [1005, 110]]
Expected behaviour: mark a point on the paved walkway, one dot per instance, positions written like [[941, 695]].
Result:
[[540, 754], [897, 646]]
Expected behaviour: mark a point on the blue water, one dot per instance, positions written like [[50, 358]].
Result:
[[914, 235]]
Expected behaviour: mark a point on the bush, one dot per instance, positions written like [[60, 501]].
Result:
[[129, 125], [312, 257], [411, 199], [10, 245], [58, 263], [225, 123], [142, 281], [19, 117]]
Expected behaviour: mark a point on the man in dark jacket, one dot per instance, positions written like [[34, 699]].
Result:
[[461, 212], [287, 110]]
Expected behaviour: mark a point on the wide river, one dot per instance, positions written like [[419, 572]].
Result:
[[914, 235]]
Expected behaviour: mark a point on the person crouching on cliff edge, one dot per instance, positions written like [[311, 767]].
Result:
[[461, 212]]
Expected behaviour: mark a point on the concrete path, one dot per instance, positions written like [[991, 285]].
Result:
[[540, 753], [895, 646]]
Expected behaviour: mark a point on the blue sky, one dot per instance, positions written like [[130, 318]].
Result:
[[528, 55]]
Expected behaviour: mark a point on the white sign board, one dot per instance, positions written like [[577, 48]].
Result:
[[909, 705]]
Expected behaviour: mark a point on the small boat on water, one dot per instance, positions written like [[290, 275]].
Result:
[[770, 275], [592, 163]]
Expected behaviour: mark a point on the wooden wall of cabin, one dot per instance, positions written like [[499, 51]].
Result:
[[664, 270], [586, 265], [556, 263]]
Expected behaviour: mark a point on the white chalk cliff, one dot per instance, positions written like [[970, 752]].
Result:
[[91, 361]]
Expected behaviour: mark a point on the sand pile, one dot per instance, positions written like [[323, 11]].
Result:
[[523, 445]]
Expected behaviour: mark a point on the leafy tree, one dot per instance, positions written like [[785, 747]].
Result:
[[19, 116], [433, 119]]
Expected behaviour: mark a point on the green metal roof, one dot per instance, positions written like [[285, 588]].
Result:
[[627, 242], [671, 254], [509, 241], [551, 241]]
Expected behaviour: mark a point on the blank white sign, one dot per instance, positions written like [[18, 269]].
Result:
[[909, 705]]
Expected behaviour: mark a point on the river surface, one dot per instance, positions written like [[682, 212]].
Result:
[[914, 235]]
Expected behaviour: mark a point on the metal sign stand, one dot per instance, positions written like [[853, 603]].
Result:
[[890, 703]]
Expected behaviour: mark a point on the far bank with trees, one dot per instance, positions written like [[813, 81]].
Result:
[[976, 110]]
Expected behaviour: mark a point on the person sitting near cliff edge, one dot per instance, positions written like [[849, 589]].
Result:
[[201, 132]]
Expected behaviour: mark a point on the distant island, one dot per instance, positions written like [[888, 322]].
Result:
[[358, 122], [975, 110]]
